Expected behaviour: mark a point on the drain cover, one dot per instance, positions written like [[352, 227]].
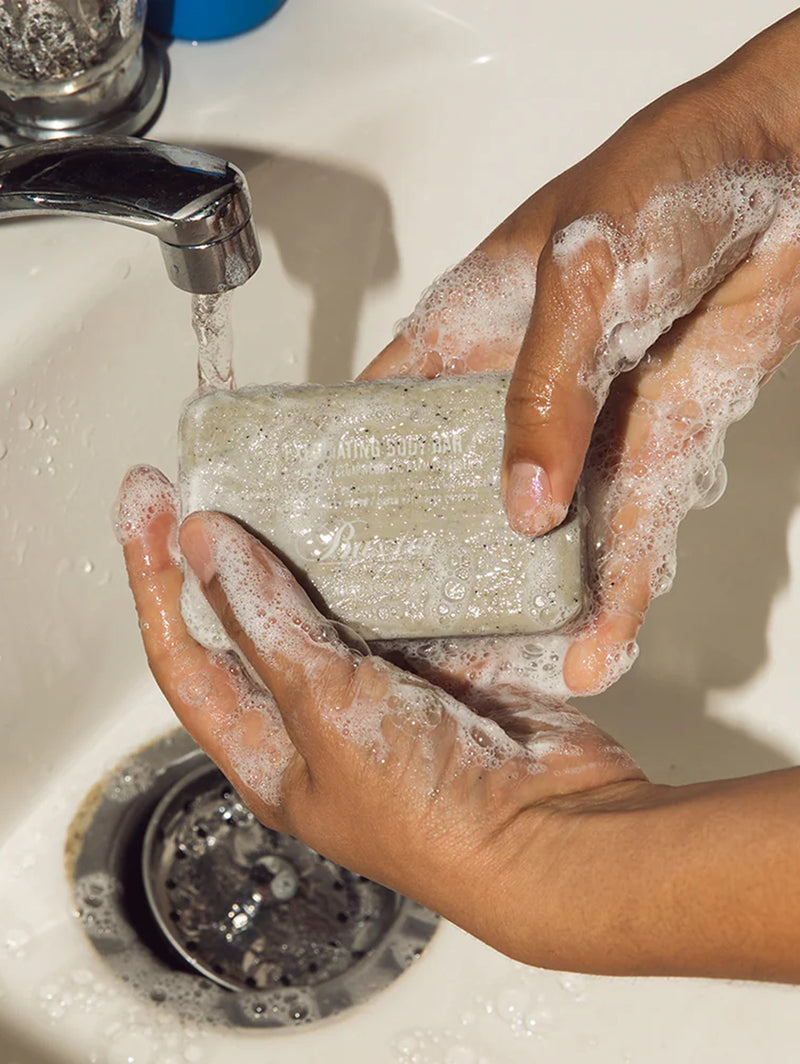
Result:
[[250, 907], [196, 904]]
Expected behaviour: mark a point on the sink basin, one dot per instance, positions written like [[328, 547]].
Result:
[[381, 141]]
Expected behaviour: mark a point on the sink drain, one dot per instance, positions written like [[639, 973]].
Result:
[[197, 905], [249, 907]]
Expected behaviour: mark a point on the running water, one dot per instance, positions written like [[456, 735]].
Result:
[[211, 321]]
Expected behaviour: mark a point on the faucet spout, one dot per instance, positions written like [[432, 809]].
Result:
[[196, 204]]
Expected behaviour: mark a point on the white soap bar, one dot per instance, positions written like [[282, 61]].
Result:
[[384, 497]]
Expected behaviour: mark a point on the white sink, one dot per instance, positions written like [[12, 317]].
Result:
[[382, 140]]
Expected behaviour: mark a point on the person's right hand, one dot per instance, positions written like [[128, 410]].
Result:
[[641, 298]]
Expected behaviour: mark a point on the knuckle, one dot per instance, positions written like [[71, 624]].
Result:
[[533, 400], [367, 682], [166, 658], [582, 258]]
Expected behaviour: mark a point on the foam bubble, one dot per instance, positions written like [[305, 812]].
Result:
[[473, 318]]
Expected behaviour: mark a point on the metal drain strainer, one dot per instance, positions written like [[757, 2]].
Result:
[[198, 906], [249, 907]]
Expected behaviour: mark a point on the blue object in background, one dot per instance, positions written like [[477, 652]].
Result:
[[206, 20]]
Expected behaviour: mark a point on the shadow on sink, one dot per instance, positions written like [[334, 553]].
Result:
[[333, 231], [710, 633]]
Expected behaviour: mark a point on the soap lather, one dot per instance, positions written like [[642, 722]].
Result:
[[384, 497]]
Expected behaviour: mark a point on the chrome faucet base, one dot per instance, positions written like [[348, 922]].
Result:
[[124, 100]]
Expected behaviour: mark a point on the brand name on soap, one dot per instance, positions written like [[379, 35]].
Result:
[[364, 445], [400, 446], [343, 544]]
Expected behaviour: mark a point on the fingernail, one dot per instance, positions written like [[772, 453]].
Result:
[[596, 662], [529, 501], [145, 494], [198, 549]]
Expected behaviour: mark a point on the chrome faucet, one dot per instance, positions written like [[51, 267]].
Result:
[[196, 204]]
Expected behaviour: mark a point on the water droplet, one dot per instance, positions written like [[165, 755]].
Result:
[[39, 423], [87, 566], [16, 941], [24, 423]]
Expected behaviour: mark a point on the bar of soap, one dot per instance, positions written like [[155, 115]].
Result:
[[384, 497]]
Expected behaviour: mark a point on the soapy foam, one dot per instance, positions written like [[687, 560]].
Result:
[[144, 495], [473, 318], [748, 210], [252, 736], [282, 624], [98, 900], [662, 264]]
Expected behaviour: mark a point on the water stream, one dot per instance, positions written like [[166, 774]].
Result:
[[211, 321]]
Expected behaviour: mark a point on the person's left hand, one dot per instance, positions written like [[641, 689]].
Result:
[[372, 766]]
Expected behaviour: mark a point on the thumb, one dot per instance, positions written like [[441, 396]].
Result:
[[553, 398]]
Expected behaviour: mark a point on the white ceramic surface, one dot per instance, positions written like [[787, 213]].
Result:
[[382, 139]]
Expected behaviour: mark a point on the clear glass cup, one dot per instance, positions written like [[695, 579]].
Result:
[[70, 65]]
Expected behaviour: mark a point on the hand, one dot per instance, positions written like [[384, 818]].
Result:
[[370, 765], [642, 298], [540, 836]]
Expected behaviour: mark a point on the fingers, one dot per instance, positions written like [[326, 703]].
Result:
[[148, 525], [655, 454], [579, 338], [349, 716], [324, 691], [294, 650], [608, 287], [398, 360], [503, 680], [658, 450], [237, 725], [550, 412]]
